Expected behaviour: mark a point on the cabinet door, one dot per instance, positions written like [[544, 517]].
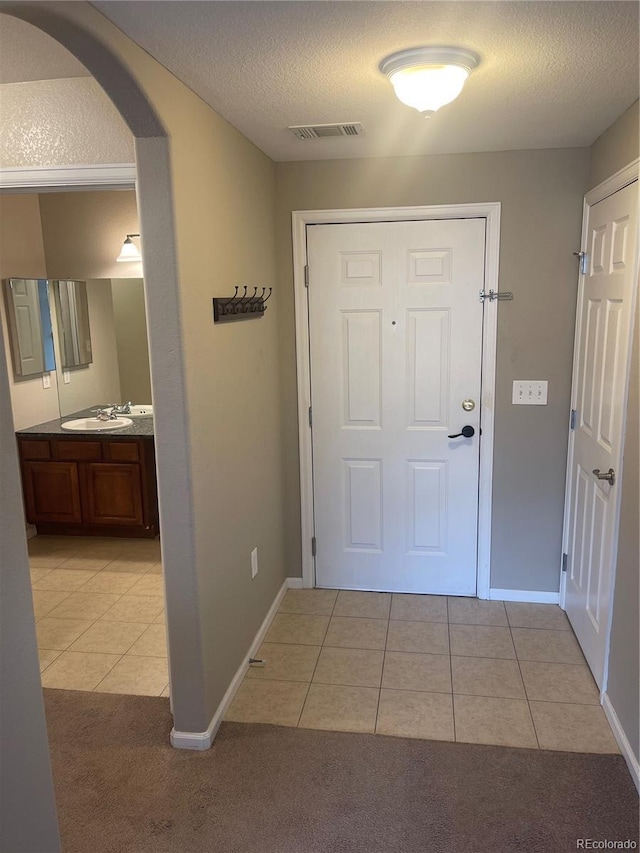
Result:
[[52, 492], [113, 494]]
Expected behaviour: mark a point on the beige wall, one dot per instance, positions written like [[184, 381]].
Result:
[[541, 194], [22, 256], [97, 383], [61, 122], [617, 147], [83, 233], [130, 322]]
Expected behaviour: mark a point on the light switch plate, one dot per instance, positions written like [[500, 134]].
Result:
[[530, 392], [46, 380], [66, 376]]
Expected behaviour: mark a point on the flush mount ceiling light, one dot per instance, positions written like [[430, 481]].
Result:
[[129, 251], [427, 78]]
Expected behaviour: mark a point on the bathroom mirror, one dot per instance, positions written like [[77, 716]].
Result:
[[29, 323], [74, 331], [119, 370]]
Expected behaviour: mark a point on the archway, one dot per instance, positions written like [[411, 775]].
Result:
[[23, 718]]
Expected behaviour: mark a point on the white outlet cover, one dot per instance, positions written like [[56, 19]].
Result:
[[254, 562], [46, 380], [530, 392], [66, 376]]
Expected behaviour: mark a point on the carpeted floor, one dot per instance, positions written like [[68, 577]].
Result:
[[264, 789]]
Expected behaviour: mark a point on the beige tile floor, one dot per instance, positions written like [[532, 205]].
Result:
[[99, 611], [426, 667]]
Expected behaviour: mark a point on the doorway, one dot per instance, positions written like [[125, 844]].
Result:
[[396, 357], [602, 355]]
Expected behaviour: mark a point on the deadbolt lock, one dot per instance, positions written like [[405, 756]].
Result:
[[468, 405]]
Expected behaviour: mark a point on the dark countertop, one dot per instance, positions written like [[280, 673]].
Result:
[[140, 428]]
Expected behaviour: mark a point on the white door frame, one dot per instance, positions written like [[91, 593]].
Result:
[[489, 211], [617, 181]]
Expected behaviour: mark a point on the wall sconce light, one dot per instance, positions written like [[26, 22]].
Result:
[[129, 251], [427, 78]]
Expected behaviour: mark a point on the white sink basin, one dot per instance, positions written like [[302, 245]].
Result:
[[94, 424], [138, 411]]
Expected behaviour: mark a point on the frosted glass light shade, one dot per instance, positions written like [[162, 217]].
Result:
[[129, 252], [428, 78]]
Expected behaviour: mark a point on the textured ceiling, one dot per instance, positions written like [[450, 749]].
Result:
[[28, 54], [552, 74]]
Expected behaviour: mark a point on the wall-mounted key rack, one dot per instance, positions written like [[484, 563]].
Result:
[[241, 307]]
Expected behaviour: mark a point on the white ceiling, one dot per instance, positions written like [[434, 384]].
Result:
[[552, 74]]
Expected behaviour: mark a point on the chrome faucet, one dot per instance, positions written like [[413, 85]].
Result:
[[104, 415], [124, 409]]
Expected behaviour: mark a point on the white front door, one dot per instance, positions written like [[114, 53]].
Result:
[[395, 326], [600, 375]]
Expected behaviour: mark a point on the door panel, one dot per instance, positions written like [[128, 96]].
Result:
[[395, 346], [113, 494], [604, 318], [52, 492]]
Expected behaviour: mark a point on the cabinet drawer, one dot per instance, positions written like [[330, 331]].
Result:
[[122, 451], [76, 451], [37, 449]]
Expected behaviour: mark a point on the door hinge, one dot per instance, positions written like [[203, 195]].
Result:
[[313, 546], [306, 275], [496, 295], [565, 560], [584, 261], [310, 417], [572, 419]]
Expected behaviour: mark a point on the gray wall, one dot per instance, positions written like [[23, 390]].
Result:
[[617, 147], [28, 822], [541, 194], [22, 256]]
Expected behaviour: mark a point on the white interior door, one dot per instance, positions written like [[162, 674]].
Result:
[[600, 372], [395, 328], [28, 351]]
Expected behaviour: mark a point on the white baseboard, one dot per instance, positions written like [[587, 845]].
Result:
[[203, 740], [621, 738], [535, 596]]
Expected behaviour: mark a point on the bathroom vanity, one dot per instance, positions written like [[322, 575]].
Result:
[[90, 483]]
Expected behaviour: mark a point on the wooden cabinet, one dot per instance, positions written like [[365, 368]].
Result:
[[90, 487]]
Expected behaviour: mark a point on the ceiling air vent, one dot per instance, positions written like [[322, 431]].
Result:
[[324, 131]]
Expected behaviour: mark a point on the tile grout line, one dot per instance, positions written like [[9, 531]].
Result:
[[384, 660], [524, 686], [95, 689], [306, 696], [453, 698]]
